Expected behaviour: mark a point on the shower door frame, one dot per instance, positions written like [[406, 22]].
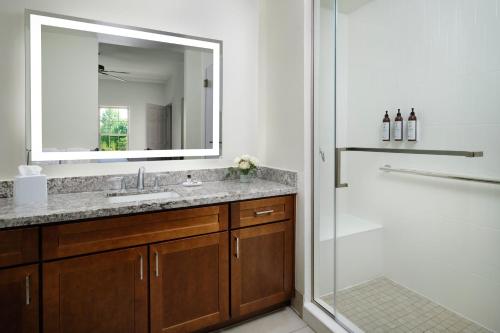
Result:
[[315, 156]]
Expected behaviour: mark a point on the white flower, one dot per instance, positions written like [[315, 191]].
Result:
[[245, 162], [244, 165]]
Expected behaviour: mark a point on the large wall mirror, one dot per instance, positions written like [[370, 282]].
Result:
[[106, 92]]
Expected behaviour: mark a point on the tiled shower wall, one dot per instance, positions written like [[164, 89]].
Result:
[[441, 238]]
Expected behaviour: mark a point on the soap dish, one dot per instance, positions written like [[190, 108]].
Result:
[[191, 184]]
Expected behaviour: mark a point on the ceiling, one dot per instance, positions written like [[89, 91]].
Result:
[[145, 61]]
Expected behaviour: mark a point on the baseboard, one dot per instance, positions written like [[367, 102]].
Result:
[[297, 304]]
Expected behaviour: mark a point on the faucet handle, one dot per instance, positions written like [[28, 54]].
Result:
[[123, 187], [140, 178], [157, 182]]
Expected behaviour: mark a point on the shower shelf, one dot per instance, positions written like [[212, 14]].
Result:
[[388, 168], [460, 153]]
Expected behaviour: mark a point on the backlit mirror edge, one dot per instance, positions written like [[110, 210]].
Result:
[[33, 115]]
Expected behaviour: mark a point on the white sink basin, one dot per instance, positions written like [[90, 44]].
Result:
[[143, 197]]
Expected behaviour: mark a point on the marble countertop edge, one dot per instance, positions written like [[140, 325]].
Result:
[[92, 205]]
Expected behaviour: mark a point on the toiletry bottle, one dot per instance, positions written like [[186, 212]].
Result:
[[412, 126], [398, 127], [386, 127]]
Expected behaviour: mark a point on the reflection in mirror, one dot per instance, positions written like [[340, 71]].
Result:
[[113, 93]]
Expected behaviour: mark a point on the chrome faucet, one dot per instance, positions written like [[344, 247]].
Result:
[[140, 178]]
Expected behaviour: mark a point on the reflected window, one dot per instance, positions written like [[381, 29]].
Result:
[[113, 128]]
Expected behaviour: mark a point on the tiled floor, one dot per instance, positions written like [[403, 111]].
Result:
[[381, 306], [281, 321]]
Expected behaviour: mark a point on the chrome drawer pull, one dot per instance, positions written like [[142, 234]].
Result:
[[141, 268], [157, 270], [27, 290], [264, 212], [237, 247]]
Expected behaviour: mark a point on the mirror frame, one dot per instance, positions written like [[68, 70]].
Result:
[[34, 22]]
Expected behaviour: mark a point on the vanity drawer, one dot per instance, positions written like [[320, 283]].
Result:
[[18, 246], [112, 233], [255, 212]]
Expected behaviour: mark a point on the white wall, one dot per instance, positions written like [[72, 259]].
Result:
[[304, 230], [135, 95], [281, 101], [69, 83], [442, 238], [235, 22]]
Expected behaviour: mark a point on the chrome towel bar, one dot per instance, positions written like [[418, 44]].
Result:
[[388, 168], [462, 153], [338, 156]]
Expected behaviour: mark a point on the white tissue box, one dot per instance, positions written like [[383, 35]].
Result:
[[30, 189]]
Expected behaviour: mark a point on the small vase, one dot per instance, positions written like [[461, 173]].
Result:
[[244, 178]]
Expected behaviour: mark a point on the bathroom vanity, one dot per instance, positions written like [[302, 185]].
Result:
[[182, 269]]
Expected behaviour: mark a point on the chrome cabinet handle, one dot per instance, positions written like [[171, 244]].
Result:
[[141, 272], [28, 290], [157, 270], [237, 247], [264, 212]]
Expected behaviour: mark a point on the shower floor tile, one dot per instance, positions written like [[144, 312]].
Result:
[[382, 306]]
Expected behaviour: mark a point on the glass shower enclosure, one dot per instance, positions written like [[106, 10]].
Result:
[[407, 232]]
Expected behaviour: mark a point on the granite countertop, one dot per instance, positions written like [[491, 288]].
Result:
[[87, 205]]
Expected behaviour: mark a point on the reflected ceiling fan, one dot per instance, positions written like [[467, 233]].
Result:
[[103, 71]]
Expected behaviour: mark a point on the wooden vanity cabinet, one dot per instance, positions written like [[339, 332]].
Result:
[[19, 299], [101, 293], [184, 270], [261, 267], [189, 283]]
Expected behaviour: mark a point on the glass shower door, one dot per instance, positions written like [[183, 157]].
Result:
[[407, 233], [324, 155]]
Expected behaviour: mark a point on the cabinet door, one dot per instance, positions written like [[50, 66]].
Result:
[[19, 299], [103, 293], [18, 246], [261, 267], [189, 283]]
